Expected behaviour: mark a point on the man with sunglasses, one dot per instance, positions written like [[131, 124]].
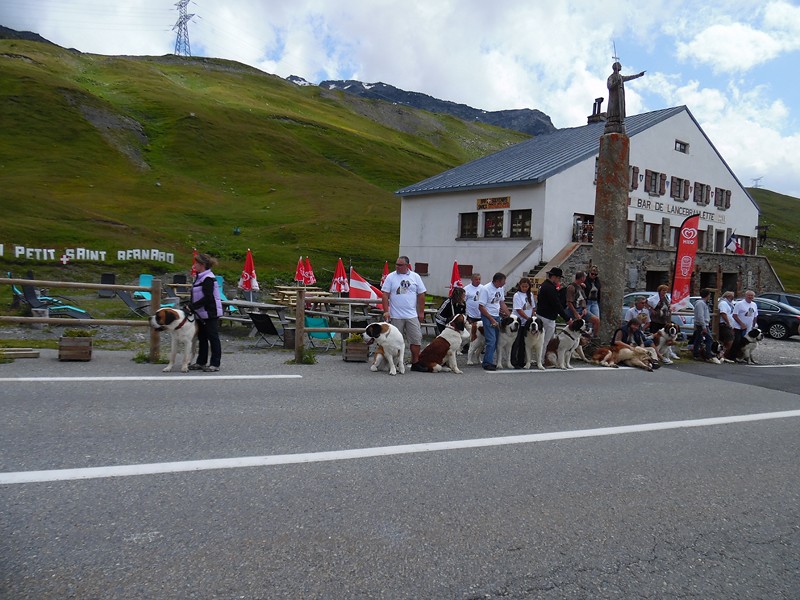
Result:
[[404, 304]]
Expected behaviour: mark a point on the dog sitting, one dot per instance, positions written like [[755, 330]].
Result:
[[183, 329], [390, 348], [564, 343], [663, 340], [476, 345], [624, 354], [506, 334], [749, 345], [442, 353], [717, 351], [534, 343]]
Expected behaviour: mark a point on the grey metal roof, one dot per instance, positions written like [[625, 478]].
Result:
[[534, 160]]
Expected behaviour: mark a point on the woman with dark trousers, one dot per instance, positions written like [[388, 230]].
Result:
[[207, 306]]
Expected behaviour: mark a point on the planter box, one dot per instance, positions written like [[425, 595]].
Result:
[[75, 348], [355, 351]]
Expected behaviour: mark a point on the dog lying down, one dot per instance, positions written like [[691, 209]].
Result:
[[624, 354], [442, 352]]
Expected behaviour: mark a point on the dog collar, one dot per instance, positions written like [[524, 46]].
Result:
[[185, 318]]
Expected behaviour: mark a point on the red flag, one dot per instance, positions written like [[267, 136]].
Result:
[[248, 281], [684, 263], [361, 288], [739, 249], [300, 272], [340, 283], [194, 257], [385, 272], [309, 278], [455, 278]]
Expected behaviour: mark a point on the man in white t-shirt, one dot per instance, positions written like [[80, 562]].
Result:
[[744, 319], [640, 312], [492, 304], [404, 304], [725, 307], [472, 290]]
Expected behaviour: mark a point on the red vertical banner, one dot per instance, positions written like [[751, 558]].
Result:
[[684, 262]]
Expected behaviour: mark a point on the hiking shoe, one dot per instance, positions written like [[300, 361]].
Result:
[[727, 361], [666, 360], [210, 369], [714, 360], [489, 368], [196, 367]]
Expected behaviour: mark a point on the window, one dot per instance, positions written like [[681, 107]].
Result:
[[673, 237], [655, 183], [421, 268], [520, 223], [468, 227], [465, 271], [652, 233], [702, 193], [679, 189], [493, 224], [634, 177], [681, 147], [722, 198]]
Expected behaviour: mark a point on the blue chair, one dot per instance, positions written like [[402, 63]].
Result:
[[222, 296], [145, 280], [328, 337], [55, 310]]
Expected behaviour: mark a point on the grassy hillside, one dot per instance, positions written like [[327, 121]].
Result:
[[174, 153], [782, 215]]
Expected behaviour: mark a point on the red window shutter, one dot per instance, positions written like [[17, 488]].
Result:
[[635, 178], [662, 184], [685, 189], [674, 187], [727, 198], [648, 174]]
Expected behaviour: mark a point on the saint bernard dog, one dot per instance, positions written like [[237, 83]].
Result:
[[564, 343], [183, 328], [477, 343], [534, 342], [749, 344], [506, 334], [390, 346], [624, 354], [442, 353], [663, 341]]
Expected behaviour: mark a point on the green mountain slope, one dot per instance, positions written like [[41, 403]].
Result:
[[175, 153], [782, 215]]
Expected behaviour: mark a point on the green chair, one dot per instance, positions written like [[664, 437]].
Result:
[[316, 338]]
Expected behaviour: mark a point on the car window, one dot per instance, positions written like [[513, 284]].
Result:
[[793, 301], [765, 306], [769, 296]]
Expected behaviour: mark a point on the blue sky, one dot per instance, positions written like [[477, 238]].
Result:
[[732, 62]]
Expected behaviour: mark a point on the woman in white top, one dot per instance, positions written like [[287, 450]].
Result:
[[524, 305]]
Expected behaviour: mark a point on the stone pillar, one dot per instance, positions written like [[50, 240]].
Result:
[[609, 251]]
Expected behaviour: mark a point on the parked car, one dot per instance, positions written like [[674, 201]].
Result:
[[790, 299], [776, 319], [683, 320]]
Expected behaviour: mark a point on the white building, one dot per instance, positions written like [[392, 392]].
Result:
[[531, 206]]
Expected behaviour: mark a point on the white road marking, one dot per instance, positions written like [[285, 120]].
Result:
[[310, 457], [198, 377], [772, 366]]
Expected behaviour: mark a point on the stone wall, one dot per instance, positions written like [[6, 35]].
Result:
[[739, 272]]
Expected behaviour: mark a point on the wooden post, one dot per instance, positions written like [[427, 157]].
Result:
[[300, 325], [155, 336]]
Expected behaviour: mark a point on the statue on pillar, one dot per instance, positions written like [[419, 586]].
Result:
[[615, 116]]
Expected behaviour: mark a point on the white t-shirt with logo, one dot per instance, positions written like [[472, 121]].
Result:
[[491, 297], [521, 303], [472, 292], [403, 291], [747, 312]]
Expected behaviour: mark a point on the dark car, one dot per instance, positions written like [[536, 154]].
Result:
[[776, 319], [790, 299]]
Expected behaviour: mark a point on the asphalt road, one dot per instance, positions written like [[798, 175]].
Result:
[[423, 491]]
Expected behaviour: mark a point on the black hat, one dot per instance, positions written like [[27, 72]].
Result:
[[555, 271]]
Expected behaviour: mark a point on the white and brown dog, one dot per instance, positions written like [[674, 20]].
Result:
[[477, 343], [506, 334], [624, 354], [183, 329], [390, 346], [441, 354], [663, 341], [749, 345], [534, 343], [564, 343]]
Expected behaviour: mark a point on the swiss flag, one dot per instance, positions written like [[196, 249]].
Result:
[[361, 288]]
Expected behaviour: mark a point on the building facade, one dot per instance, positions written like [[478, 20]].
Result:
[[531, 206]]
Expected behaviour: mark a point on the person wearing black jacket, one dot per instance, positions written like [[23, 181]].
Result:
[[548, 306], [456, 304]]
